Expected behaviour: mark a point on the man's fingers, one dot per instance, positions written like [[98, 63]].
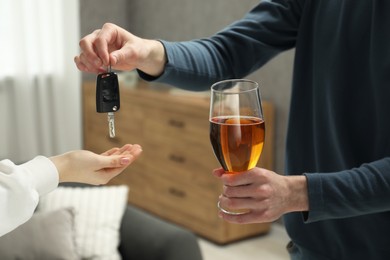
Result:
[[218, 172], [107, 36], [244, 178], [89, 57]]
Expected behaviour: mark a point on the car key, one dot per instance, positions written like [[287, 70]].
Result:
[[107, 97]]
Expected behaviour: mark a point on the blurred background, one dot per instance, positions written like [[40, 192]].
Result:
[[39, 85]]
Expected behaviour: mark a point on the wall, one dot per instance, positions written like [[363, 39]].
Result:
[[177, 20]]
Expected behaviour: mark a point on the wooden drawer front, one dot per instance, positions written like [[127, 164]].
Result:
[[189, 163], [130, 118], [173, 200], [266, 159], [174, 122], [96, 136]]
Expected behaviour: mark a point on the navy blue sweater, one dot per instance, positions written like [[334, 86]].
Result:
[[339, 125]]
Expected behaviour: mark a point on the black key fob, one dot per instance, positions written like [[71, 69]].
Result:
[[107, 93]]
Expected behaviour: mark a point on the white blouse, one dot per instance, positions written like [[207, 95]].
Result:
[[20, 189]]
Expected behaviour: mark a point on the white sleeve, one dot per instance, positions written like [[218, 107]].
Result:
[[20, 188]]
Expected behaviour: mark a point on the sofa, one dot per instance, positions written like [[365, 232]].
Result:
[[155, 239], [55, 233], [146, 237]]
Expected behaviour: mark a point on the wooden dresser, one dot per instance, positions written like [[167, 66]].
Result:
[[172, 179]]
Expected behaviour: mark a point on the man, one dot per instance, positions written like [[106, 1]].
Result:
[[336, 191]]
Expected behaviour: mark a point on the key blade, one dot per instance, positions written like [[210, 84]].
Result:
[[111, 124]]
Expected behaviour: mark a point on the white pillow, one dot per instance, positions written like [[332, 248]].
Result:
[[99, 211]]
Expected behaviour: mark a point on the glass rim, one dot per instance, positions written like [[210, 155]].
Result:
[[256, 86]]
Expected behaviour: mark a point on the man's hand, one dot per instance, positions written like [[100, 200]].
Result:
[[267, 194], [113, 45]]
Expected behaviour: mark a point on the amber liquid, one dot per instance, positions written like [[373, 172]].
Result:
[[237, 141]]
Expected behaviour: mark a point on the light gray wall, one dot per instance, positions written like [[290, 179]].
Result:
[[177, 20]]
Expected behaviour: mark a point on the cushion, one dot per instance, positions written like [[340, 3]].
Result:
[[98, 214], [48, 235]]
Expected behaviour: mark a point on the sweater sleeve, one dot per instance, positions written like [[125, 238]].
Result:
[[241, 48], [20, 188], [349, 193]]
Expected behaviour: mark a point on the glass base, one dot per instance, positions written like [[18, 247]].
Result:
[[231, 212]]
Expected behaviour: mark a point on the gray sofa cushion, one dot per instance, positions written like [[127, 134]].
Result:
[[45, 236], [145, 237]]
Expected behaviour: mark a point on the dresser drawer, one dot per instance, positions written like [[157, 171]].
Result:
[[189, 163], [175, 125], [173, 199]]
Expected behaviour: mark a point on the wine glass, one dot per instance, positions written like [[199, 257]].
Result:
[[237, 127]]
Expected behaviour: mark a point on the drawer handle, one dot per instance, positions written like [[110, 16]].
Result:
[[177, 158], [177, 193], [176, 123]]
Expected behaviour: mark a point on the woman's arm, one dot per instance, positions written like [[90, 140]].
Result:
[[20, 188], [22, 185]]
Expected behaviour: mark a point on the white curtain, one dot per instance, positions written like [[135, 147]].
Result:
[[40, 99]]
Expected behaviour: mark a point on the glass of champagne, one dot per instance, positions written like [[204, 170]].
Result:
[[237, 128]]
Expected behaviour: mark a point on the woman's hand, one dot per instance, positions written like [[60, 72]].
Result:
[[266, 194], [87, 167]]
